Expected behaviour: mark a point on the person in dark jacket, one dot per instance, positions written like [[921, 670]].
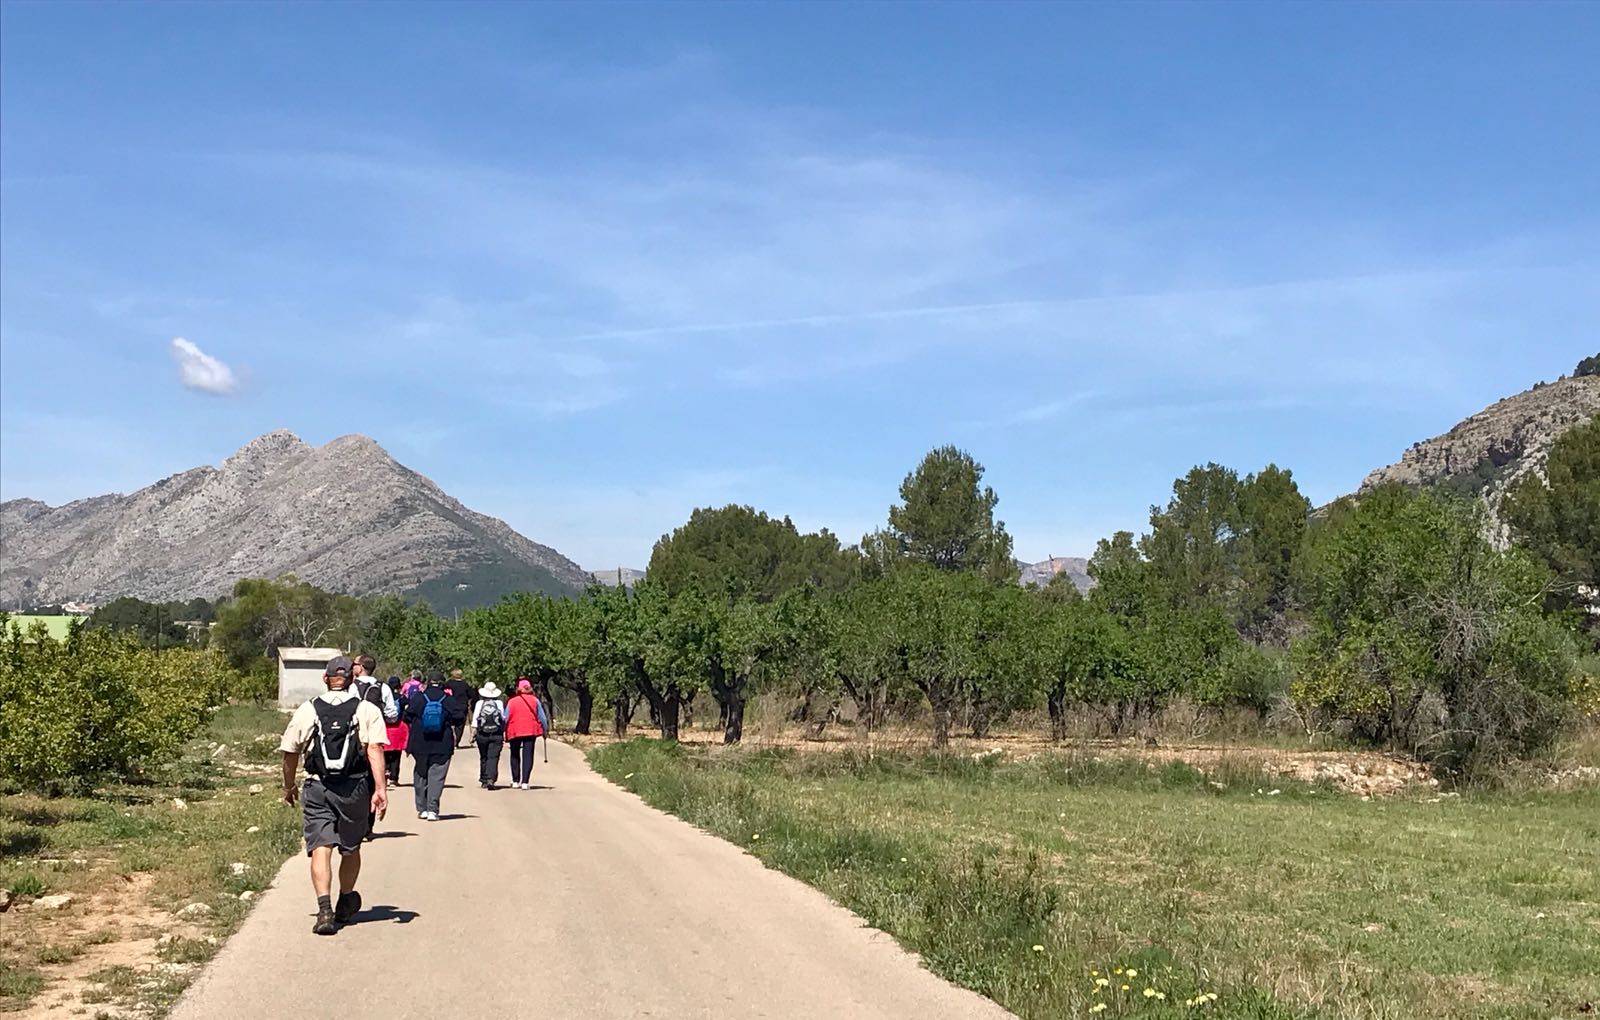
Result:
[[466, 696], [431, 747]]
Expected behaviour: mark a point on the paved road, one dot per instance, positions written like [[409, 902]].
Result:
[[577, 901]]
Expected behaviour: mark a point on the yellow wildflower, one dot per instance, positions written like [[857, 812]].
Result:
[[1100, 982], [1124, 987], [1149, 993], [1117, 971], [1038, 948], [1132, 972], [1098, 1007], [1094, 973]]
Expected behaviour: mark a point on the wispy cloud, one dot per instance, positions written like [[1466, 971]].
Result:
[[200, 371]]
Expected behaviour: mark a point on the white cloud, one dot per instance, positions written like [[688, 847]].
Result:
[[200, 371]]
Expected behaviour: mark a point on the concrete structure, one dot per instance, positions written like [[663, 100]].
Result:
[[300, 674]]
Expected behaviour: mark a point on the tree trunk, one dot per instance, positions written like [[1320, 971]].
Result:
[[941, 727], [733, 722], [621, 714], [1058, 713], [982, 719], [668, 711], [585, 708]]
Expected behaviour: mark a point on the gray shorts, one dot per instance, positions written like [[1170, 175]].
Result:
[[336, 813]]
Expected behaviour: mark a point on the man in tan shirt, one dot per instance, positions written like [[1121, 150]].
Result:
[[342, 738]]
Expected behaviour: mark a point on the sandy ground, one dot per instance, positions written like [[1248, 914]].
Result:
[[571, 900]]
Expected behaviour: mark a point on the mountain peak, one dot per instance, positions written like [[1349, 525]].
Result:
[[270, 449], [345, 516]]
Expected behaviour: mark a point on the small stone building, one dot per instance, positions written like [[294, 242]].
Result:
[[300, 674]]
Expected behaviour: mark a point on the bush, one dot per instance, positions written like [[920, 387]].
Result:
[[1424, 636], [97, 705]]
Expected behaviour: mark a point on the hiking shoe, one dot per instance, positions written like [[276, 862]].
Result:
[[324, 924], [347, 906]]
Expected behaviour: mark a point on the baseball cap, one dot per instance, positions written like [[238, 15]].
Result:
[[339, 665]]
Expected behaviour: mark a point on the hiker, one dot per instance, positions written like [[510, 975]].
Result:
[[398, 732], [489, 730], [526, 720], [412, 684], [432, 717], [342, 738], [368, 687], [466, 696]]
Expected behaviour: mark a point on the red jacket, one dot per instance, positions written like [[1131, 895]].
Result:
[[522, 717]]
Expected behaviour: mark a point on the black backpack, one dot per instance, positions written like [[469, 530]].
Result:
[[335, 751], [492, 721], [371, 690]]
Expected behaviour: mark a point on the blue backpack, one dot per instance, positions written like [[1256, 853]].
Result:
[[433, 716]]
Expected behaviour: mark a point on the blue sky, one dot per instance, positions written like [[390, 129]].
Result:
[[590, 267]]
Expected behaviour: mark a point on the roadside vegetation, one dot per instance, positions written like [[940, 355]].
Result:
[[1034, 881], [1391, 621], [116, 898]]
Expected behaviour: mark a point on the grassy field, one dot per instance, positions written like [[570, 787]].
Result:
[[1034, 881], [131, 858]]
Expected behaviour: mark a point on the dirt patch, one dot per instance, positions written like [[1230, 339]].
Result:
[[113, 927]]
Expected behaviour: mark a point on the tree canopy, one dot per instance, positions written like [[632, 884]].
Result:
[[945, 519], [741, 552]]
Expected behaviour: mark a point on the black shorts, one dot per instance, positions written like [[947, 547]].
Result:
[[336, 813]]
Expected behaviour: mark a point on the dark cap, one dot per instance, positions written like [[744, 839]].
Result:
[[339, 665], [435, 677]]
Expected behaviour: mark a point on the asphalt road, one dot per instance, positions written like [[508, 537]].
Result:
[[574, 900]]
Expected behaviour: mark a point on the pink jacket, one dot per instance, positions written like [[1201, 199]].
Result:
[[522, 717]]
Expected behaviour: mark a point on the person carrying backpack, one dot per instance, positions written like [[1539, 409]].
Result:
[[369, 688], [526, 720], [432, 717], [398, 733], [489, 731], [342, 739]]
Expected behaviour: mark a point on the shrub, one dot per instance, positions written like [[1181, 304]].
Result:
[[97, 705]]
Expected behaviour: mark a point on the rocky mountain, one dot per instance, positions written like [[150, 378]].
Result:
[[345, 516], [1041, 573], [612, 576], [1493, 449]]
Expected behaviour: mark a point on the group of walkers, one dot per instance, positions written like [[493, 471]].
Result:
[[353, 738]]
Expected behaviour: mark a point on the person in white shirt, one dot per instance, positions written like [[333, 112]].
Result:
[[342, 738]]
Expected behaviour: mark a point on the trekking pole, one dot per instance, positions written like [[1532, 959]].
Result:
[[547, 747]]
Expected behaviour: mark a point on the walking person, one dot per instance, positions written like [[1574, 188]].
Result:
[[368, 687], [489, 729], [432, 717], [466, 696], [525, 721], [398, 733], [342, 739]]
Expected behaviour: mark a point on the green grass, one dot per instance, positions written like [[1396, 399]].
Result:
[[84, 845], [1307, 903], [18, 984]]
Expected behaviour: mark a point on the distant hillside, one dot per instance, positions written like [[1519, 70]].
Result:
[[609, 576], [345, 516], [1041, 573], [1489, 451]]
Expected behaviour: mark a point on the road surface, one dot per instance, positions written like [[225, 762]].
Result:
[[573, 901]]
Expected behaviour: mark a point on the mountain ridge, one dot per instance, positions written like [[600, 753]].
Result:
[[345, 516]]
